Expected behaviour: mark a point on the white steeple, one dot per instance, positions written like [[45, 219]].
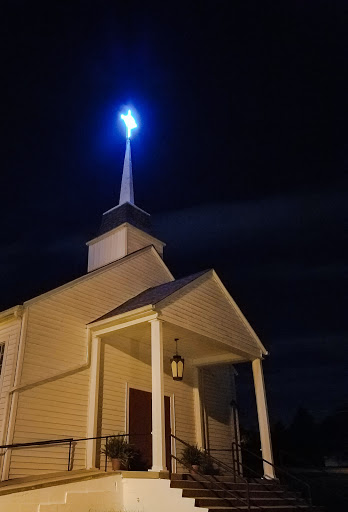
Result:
[[125, 228], [127, 191]]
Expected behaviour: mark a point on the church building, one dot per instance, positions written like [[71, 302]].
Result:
[[100, 356]]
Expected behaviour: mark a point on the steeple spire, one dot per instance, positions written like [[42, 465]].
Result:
[[125, 228], [127, 191]]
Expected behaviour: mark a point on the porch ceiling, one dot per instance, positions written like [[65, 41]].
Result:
[[192, 346]]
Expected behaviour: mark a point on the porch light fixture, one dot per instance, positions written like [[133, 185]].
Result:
[[177, 364]]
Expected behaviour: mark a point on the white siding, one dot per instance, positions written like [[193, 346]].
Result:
[[127, 363], [218, 392], [9, 334], [55, 410], [55, 343], [137, 239], [109, 248], [56, 332], [206, 310]]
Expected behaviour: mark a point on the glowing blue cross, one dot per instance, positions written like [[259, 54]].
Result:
[[130, 123]]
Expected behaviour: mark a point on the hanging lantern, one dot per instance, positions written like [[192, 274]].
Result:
[[177, 364]]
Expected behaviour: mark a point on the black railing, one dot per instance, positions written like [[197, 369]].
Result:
[[210, 478], [69, 441], [291, 480], [238, 469]]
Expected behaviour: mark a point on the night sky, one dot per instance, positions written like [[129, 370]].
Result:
[[241, 157]]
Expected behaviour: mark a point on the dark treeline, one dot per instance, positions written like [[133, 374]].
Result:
[[305, 442]]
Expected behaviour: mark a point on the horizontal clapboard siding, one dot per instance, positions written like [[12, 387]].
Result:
[[205, 309], [55, 410], [56, 342], [121, 369], [56, 332], [107, 249], [138, 239], [9, 335], [218, 393]]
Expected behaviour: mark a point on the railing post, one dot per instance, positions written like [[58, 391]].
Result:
[[248, 494], [233, 463], [69, 460], [106, 453]]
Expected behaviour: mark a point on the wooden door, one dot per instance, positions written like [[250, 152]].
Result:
[[140, 427]]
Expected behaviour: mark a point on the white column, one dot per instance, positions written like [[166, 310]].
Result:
[[93, 402], [262, 412], [198, 407], [158, 425]]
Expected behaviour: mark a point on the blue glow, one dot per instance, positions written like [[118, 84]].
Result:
[[130, 122]]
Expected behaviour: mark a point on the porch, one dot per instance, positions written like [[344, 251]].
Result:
[[131, 385]]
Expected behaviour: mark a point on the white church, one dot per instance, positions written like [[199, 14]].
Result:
[[93, 358]]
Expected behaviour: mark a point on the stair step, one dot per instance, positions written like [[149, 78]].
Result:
[[93, 498], [194, 484], [213, 478], [266, 508], [212, 493], [235, 502]]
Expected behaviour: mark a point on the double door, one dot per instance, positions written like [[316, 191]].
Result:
[[140, 427]]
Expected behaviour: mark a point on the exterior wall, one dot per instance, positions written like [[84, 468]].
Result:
[[127, 364], [9, 334], [137, 239], [56, 343], [118, 243], [110, 247], [55, 410], [218, 392], [205, 310]]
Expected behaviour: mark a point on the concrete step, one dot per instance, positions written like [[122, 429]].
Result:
[[266, 508], [194, 484], [107, 498], [47, 480], [235, 502], [211, 493], [213, 478], [69, 507]]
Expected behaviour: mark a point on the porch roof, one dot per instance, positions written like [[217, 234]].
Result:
[[152, 296], [197, 303]]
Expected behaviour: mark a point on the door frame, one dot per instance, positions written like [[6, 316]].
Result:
[[171, 397]]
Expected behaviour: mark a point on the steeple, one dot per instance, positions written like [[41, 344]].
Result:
[[125, 228], [127, 191]]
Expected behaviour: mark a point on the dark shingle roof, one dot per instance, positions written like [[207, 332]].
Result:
[[125, 213], [152, 295]]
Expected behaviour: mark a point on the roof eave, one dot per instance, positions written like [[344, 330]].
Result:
[[122, 316], [15, 312]]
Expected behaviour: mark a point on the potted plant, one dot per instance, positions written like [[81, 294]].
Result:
[[119, 451], [192, 457], [207, 466]]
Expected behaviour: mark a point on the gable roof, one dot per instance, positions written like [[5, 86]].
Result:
[[100, 270], [152, 295], [165, 294]]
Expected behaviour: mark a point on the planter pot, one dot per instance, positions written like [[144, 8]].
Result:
[[195, 469], [116, 464]]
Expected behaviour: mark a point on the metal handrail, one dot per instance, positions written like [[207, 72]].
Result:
[[37, 443], [229, 468], [216, 482], [70, 440], [277, 468]]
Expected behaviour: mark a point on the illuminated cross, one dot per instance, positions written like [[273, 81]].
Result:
[[130, 123]]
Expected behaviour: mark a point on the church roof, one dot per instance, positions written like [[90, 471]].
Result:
[[152, 295], [125, 212]]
